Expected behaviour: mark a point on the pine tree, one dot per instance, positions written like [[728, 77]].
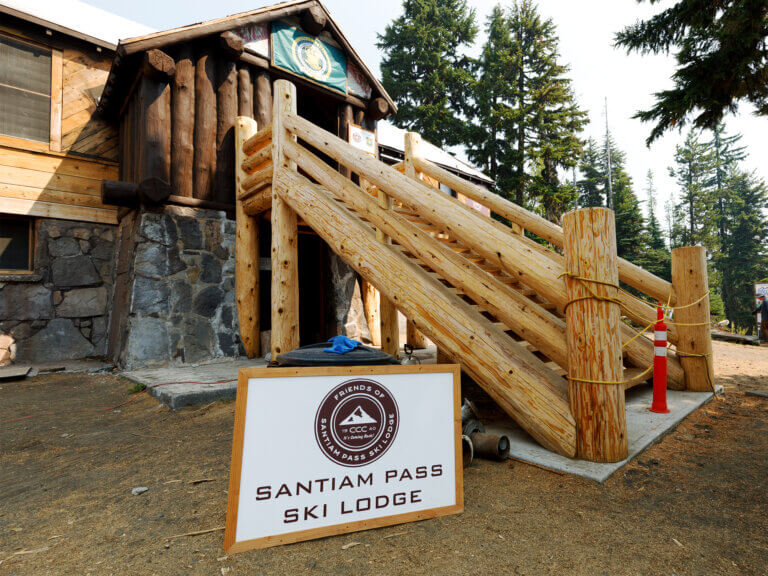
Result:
[[743, 259], [726, 155], [631, 240], [720, 48], [655, 235], [425, 71], [694, 166], [527, 119], [489, 145], [590, 187], [656, 257]]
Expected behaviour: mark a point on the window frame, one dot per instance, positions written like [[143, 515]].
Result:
[[56, 107], [31, 255]]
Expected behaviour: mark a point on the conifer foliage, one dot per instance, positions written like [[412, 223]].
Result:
[[425, 69]]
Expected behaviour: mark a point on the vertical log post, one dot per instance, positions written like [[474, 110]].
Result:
[[371, 296], [158, 70], [694, 345], [226, 112], [244, 91], [285, 240], [412, 140], [205, 124], [246, 252], [371, 299], [593, 334], [183, 122], [262, 102]]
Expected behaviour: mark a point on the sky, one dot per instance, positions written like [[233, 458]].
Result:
[[586, 29]]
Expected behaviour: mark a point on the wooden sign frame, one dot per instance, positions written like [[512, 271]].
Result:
[[238, 439]]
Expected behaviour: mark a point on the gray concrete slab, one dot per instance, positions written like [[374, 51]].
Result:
[[193, 384], [643, 428]]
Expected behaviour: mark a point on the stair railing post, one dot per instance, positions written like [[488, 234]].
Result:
[[246, 251], [414, 337], [690, 285], [593, 335], [285, 258], [388, 318]]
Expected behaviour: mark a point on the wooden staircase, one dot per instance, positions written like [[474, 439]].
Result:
[[490, 298]]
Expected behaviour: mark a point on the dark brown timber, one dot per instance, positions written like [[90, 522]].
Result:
[[205, 125], [183, 123]]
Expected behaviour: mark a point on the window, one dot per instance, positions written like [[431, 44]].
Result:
[[16, 244], [25, 90]]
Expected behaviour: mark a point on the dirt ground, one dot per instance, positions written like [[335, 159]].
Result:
[[695, 504]]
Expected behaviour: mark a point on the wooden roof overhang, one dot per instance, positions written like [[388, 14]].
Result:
[[128, 58]]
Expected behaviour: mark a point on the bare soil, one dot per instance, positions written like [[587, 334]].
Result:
[[694, 504]]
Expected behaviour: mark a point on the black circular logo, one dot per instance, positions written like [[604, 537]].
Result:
[[356, 422]]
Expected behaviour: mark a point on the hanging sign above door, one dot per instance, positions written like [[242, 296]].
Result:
[[297, 52]]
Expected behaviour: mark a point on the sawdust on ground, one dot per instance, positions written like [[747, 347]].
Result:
[[695, 504]]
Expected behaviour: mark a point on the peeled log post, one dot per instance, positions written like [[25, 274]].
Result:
[[183, 123], [371, 298], [592, 327], [285, 271], [389, 328], [694, 344], [226, 111], [205, 125], [246, 253], [262, 100], [411, 149], [244, 91], [512, 376]]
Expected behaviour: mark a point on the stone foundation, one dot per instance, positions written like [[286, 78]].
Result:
[[177, 288], [61, 311]]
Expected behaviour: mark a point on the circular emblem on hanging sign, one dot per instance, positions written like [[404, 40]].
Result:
[[312, 57], [356, 422]]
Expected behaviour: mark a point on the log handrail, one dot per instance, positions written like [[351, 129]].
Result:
[[526, 318], [629, 273], [522, 258], [518, 381]]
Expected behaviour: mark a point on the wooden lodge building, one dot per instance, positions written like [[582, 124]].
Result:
[[117, 177]]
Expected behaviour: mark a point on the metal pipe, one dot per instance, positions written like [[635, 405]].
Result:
[[491, 446]]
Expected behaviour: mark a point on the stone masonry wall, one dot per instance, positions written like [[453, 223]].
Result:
[[182, 299], [61, 311]]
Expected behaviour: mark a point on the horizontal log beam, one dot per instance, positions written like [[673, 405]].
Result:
[[261, 138], [514, 378], [258, 203], [256, 182], [151, 191], [257, 159]]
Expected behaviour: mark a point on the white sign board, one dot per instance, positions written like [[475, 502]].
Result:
[[362, 139], [323, 451]]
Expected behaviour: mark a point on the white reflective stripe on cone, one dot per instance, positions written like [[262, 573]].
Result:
[[660, 335], [659, 351]]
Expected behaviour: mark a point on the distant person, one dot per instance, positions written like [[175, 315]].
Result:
[[762, 308]]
